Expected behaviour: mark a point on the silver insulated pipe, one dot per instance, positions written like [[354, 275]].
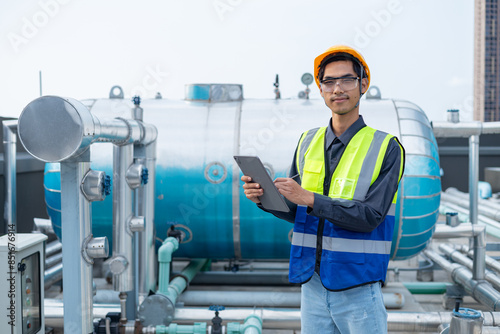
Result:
[[55, 129], [482, 291], [282, 318], [9, 144], [121, 264]]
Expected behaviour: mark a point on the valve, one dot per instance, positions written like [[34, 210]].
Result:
[[277, 88], [216, 321], [172, 232], [145, 176], [137, 100], [106, 185]]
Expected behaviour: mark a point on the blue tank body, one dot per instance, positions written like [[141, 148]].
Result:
[[197, 181]]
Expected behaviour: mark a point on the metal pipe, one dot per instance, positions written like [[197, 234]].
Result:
[[10, 164], [262, 298], [146, 207], [121, 263], [464, 129], [52, 248], [457, 256], [479, 250], [473, 177], [484, 202], [468, 230], [77, 276], [53, 275], [492, 226], [124, 131], [482, 291], [462, 230], [276, 278], [43, 226], [123, 307], [53, 260], [490, 262], [487, 209], [274, 318], [490, 127], [73, 128]]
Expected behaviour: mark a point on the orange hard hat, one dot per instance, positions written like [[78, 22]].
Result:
[[340, 49]]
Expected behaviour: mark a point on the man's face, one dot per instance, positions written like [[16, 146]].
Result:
[[341, 101]]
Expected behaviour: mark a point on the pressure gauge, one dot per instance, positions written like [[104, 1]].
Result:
[[307, 79]]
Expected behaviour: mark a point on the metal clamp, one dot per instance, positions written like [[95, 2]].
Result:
[[95, 185], [136, 224], [136, 175], [94, 248]]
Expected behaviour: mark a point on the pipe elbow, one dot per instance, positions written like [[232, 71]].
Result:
[[169, 246]]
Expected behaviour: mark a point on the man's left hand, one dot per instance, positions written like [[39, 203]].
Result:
[[294, 192]]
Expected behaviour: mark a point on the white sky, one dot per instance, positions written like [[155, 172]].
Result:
[[420, 50]]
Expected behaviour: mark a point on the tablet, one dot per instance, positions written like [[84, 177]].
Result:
[[253, 167]]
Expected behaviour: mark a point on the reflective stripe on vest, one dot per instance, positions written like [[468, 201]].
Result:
[[343, 244]]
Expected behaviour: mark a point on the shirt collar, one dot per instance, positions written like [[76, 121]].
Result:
[[347, 135]]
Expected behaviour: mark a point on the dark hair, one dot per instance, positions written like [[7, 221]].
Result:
[[339, 57]]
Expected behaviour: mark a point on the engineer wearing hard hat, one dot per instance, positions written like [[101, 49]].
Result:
[[342, 205]]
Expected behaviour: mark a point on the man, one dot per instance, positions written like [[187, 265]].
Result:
[[342, 205]]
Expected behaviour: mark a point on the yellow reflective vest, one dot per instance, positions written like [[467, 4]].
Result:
[[347, 258]]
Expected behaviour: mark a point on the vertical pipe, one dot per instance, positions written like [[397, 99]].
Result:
[[40, 80], [122, 212], [9, 144], [76, 227], [146, 207], [479, 251], [169, 246]]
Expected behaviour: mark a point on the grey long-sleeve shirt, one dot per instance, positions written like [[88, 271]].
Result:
[[359, 216]]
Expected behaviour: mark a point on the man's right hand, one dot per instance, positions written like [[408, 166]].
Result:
[[252, 189]]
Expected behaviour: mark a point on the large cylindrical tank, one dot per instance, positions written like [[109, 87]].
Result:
[[198, 187]]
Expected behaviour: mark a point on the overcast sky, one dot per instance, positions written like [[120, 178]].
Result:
[[420, 50]]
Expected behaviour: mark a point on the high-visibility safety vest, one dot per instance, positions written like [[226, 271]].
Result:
[[348, 258]]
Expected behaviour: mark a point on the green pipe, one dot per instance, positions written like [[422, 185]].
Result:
[[427, 288], [197, 328], [178, 284], [169, 246], [252, 325]]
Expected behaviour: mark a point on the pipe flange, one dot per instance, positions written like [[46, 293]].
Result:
[[85, 256], [156, 310], [117, 264], [215, 172]]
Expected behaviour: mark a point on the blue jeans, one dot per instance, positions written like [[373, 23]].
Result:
[[353, 311]]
